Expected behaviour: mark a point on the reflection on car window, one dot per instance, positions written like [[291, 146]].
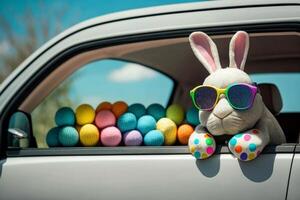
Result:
[[288, 85], [104, 80], [111, 80]]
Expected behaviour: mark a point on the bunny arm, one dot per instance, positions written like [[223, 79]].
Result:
[[248, 145], [201, 143]]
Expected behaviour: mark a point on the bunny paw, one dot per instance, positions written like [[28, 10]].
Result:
[[202, 145], [246, 146]]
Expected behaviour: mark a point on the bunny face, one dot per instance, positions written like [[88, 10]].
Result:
[[223, 119]]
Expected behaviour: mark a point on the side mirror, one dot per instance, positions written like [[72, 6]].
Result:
[[20, 130]]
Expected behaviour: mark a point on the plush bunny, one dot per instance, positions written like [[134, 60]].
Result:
[[234, 112]]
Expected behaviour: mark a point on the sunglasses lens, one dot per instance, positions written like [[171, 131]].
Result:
[[240, 96], [205, 97]]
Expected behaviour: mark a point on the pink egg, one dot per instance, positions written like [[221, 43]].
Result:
[[105, 118], [111, 136]]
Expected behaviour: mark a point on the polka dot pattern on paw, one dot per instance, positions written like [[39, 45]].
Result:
[[247, 137], [202, 145], [244, 146]]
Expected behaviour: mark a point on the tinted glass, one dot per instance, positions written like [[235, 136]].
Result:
[[205, 97], [102, 80], [288, 85], [240, 96]]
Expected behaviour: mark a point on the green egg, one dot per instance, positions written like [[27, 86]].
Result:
[[175, 112]]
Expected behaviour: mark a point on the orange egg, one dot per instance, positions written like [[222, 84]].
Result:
[[183, 133], [104, 106], [119, 108]]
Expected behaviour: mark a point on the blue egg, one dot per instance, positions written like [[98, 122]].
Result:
[[137, 109], [146, 123], [65, 117], [192, 116], [52, 137], [154, 138], [157, 111], [68, 136], [127, 122]]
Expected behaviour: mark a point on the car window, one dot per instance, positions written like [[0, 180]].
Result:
[[104, 80], [288, 85]]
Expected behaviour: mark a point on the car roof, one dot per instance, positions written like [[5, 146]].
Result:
[[140, 13]]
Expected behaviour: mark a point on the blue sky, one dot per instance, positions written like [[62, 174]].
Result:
[[288, 84], [102, 80], [112, 80], [75, 10]]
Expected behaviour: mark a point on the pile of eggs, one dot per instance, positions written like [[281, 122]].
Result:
[[119, 124]]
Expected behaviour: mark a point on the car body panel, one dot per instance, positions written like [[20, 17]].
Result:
[[174, 176], [294, 183], [145, 177]]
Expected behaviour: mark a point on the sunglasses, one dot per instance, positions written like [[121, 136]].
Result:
[[239, 95]]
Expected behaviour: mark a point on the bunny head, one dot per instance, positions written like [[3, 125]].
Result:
[[223, 119]]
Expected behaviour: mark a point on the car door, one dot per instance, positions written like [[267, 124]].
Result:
[[138, 172], [293, 192]]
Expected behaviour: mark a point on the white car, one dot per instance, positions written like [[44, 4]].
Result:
[[157, 39]]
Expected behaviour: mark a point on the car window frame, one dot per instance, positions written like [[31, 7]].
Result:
[[50, 65]]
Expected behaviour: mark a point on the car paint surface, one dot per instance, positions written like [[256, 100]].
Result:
[[146, 176]]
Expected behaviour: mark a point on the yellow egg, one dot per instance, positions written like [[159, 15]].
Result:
[[89, 135], [169, 129], [85, 114]]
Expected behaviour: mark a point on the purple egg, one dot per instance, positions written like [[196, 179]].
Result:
[[133, 138]]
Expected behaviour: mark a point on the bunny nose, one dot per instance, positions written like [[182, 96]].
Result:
[[222, 109]]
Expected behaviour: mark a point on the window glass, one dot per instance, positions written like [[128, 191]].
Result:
[[104, 80], [288, 85]]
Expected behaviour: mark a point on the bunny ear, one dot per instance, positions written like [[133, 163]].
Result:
[[205, 50], [238, 50]]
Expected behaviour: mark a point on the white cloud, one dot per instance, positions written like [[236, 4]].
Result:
[[131, 72], [4, 47]]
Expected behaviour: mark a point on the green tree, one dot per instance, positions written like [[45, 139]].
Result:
[[18, 48]]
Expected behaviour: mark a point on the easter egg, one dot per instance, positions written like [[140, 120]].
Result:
[[169, 130], [184, 132], [127, 122], [137, 109], [104, 106], [175, 112], [154, 138], [119, 107], [105, 118], [111, 136], [133, 138], [192, 116], [89, 135], [157, 111], [145, 124], [85, 114], [52, 137], [65, 117], [68, 136]]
